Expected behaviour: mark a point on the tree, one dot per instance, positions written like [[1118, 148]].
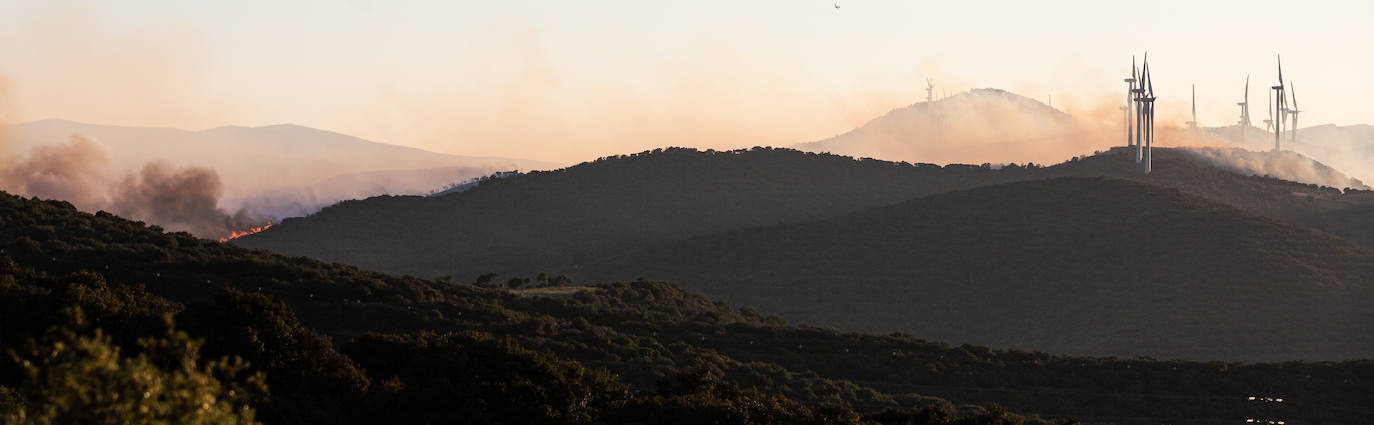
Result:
[[86, 380]]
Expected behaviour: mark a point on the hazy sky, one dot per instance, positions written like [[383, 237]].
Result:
[[572, 80]]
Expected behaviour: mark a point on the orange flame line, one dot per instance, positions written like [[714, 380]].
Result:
[[241, 233]]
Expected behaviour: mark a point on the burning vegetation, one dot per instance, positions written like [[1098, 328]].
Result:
[[241, 233]]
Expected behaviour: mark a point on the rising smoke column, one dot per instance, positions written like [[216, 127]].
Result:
[[178, 199], [71, 171]]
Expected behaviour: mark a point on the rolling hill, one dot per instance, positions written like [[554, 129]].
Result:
[[546, 220], [557, 220], [311, 342], [1098, 266]]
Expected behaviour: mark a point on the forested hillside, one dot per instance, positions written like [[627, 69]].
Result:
[[559, 220], [99, 311], [543, 220], [1091, 266]]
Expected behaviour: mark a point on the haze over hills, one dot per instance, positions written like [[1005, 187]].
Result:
[[1098, 267], [1347, 148], [996, 126], [974, 127], [302, 201], [283, 159]]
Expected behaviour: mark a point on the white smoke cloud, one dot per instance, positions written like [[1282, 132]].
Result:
[[1286, 165]]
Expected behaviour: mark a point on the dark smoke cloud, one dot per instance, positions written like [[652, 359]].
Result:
[[185, 199], [178, 199], [72, 171]]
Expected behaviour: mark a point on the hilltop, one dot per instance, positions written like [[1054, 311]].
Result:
[[977, 126], [1097, 266], [336, 344]]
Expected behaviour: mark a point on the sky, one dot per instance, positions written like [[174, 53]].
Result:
[[570, 81]]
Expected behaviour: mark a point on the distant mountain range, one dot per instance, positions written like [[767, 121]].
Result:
[[277, 159]]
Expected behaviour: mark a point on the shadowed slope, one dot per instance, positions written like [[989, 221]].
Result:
[[1083, 266], [562, 218], [555, 221]]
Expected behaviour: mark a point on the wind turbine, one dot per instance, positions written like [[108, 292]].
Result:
[[1269, 123], [930, 90], [1149, 115], [1139, 93], [1130, 102], [1245, 111], [1294, 131], [1279, 107], [1193, 123]]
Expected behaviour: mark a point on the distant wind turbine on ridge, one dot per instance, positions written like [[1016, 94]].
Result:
[[1244, 105], [1193, 123], [1280, 107], [1293, 133], [1130, 104]]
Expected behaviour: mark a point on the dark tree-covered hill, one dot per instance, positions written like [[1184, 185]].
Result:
[[542, 220], [1090, 266], [216, 332], [560, 220]]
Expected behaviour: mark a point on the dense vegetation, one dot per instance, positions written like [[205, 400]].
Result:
[[1077, 266], [555, 219], [560, 220], [639, 215], [234, 336]]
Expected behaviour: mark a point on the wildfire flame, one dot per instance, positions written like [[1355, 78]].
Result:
[[241, 233]]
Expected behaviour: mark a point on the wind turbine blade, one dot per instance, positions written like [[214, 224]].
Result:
[[1294, 93], [1247, 88], [1280, 71], [1145, 72]]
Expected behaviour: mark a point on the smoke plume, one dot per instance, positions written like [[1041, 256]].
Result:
[[72, 171], [1286, 165], [185, 199], [178, 199]]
